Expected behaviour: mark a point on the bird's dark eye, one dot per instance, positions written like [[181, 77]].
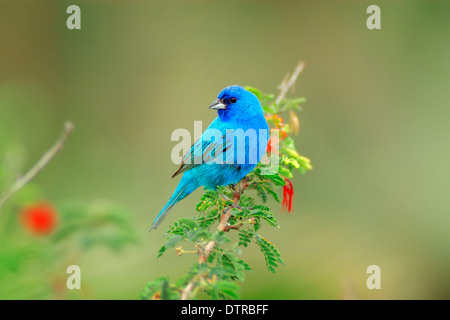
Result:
[[233, 100]]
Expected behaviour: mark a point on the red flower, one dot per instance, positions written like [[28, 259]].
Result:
[[40, 218], [272, 145], [288, 196]]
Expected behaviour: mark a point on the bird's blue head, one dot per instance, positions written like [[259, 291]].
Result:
[[236, 102]]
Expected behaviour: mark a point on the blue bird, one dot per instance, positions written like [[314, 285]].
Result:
[[220, 158]]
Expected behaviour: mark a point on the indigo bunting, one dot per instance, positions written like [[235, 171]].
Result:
[[227, 151]]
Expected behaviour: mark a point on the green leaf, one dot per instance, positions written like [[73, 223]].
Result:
[[277, 179], [261, 192], [264, 213], [228, 289], [171, 242], [271, 253], [268, 188], [271, 109], [282, 171], [245, 237], [255, 91]]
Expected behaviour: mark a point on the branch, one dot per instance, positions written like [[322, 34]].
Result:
[[206, 252], [187, 291], [22, 181], [223, 226], [288, 82]]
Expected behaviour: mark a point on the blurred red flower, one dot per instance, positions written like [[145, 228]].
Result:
[[39, 218], [288, 196]]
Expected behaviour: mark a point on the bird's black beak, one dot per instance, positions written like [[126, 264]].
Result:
[[218, 105]]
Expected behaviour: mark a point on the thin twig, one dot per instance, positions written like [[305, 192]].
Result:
[[289, 81], [22, 181]]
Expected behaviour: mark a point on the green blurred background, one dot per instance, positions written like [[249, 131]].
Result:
[[376, 127]]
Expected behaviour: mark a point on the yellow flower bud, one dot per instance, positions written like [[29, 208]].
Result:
[[294, 122]]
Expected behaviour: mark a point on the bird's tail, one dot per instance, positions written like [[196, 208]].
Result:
[[180, 193]]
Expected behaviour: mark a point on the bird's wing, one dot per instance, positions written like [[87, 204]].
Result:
[[204, 152]]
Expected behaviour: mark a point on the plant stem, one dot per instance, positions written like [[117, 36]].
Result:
[[288, 82], [223, 226], [187, 291], [22, 181]]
